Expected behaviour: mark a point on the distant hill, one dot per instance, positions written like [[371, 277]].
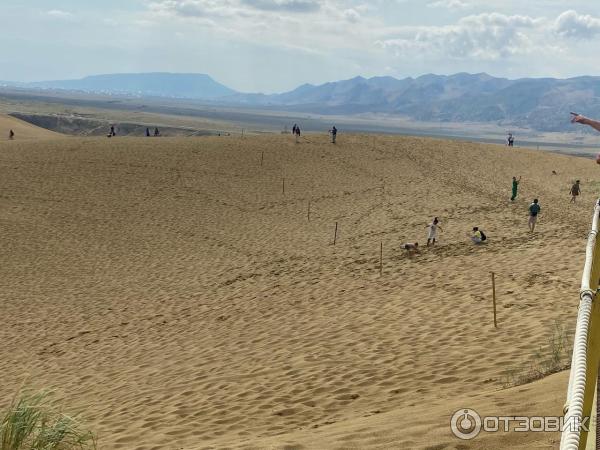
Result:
[[540, 103], [177, 85]]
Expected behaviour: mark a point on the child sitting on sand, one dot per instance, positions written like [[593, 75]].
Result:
[[478, 236], [433, 227], [411, 248]]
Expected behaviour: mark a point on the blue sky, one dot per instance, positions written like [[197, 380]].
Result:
[[276, 45]]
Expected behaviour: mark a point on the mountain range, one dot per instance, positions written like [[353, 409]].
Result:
[[173, 85], [539, 103]]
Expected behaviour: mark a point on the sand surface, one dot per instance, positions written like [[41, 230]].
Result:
[[23, 130], [172, 291]]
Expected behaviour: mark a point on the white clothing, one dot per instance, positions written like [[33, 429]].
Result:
[[432, 231]]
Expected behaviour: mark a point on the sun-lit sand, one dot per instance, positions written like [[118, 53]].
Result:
[[171, 291], [23, 130]]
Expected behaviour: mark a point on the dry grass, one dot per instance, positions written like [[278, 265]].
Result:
[[33, 422]]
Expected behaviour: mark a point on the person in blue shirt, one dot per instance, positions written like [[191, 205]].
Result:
[[534, 210]]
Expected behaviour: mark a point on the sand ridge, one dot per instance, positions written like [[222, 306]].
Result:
[[173, 291], [23, 130]]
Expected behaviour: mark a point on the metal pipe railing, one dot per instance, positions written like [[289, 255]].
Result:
[[570, 438]]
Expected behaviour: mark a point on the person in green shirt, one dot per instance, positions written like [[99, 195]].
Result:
[[534, 210], [515, 186]]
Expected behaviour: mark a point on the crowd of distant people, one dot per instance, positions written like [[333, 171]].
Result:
[[112, 132], [332, 133], [477, 236]]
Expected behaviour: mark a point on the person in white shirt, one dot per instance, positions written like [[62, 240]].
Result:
[[432, 235]]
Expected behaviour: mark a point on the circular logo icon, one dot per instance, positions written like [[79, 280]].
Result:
[[465, 424]]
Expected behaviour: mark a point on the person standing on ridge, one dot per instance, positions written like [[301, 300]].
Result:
[[333, 132], [534, 210], [147, 132], [515, 187], [575, 191]]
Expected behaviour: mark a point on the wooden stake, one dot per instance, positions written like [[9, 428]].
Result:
[[283, 186], [335, 234], [381, 260], [262, 157], [308, 212], [494, 298]]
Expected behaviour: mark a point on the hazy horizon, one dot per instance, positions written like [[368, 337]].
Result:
[[302, 83], [275, 45]]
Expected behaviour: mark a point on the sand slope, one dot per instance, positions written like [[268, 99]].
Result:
[[172, 290], [23, 130]]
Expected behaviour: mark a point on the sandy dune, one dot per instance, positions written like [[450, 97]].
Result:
[[174, 293], [23, 130]]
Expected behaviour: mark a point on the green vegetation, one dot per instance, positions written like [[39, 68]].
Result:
[[32, 422]]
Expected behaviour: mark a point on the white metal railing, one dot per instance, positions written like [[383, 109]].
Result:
[[576, 392]]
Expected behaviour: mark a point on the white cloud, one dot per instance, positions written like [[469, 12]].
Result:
[[351, 15], [573, 25], [296, 6], [59, 14], [488, 36], [280, 23], [449, 4], [228, 8]]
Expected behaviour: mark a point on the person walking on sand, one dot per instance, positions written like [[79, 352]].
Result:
[[11, 135], [333, 132], [478, 236], [433, 227], [515, 187], [534, 210], [156, 132], [511, 140], [575, 191], [297, 134], [147, 132]]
